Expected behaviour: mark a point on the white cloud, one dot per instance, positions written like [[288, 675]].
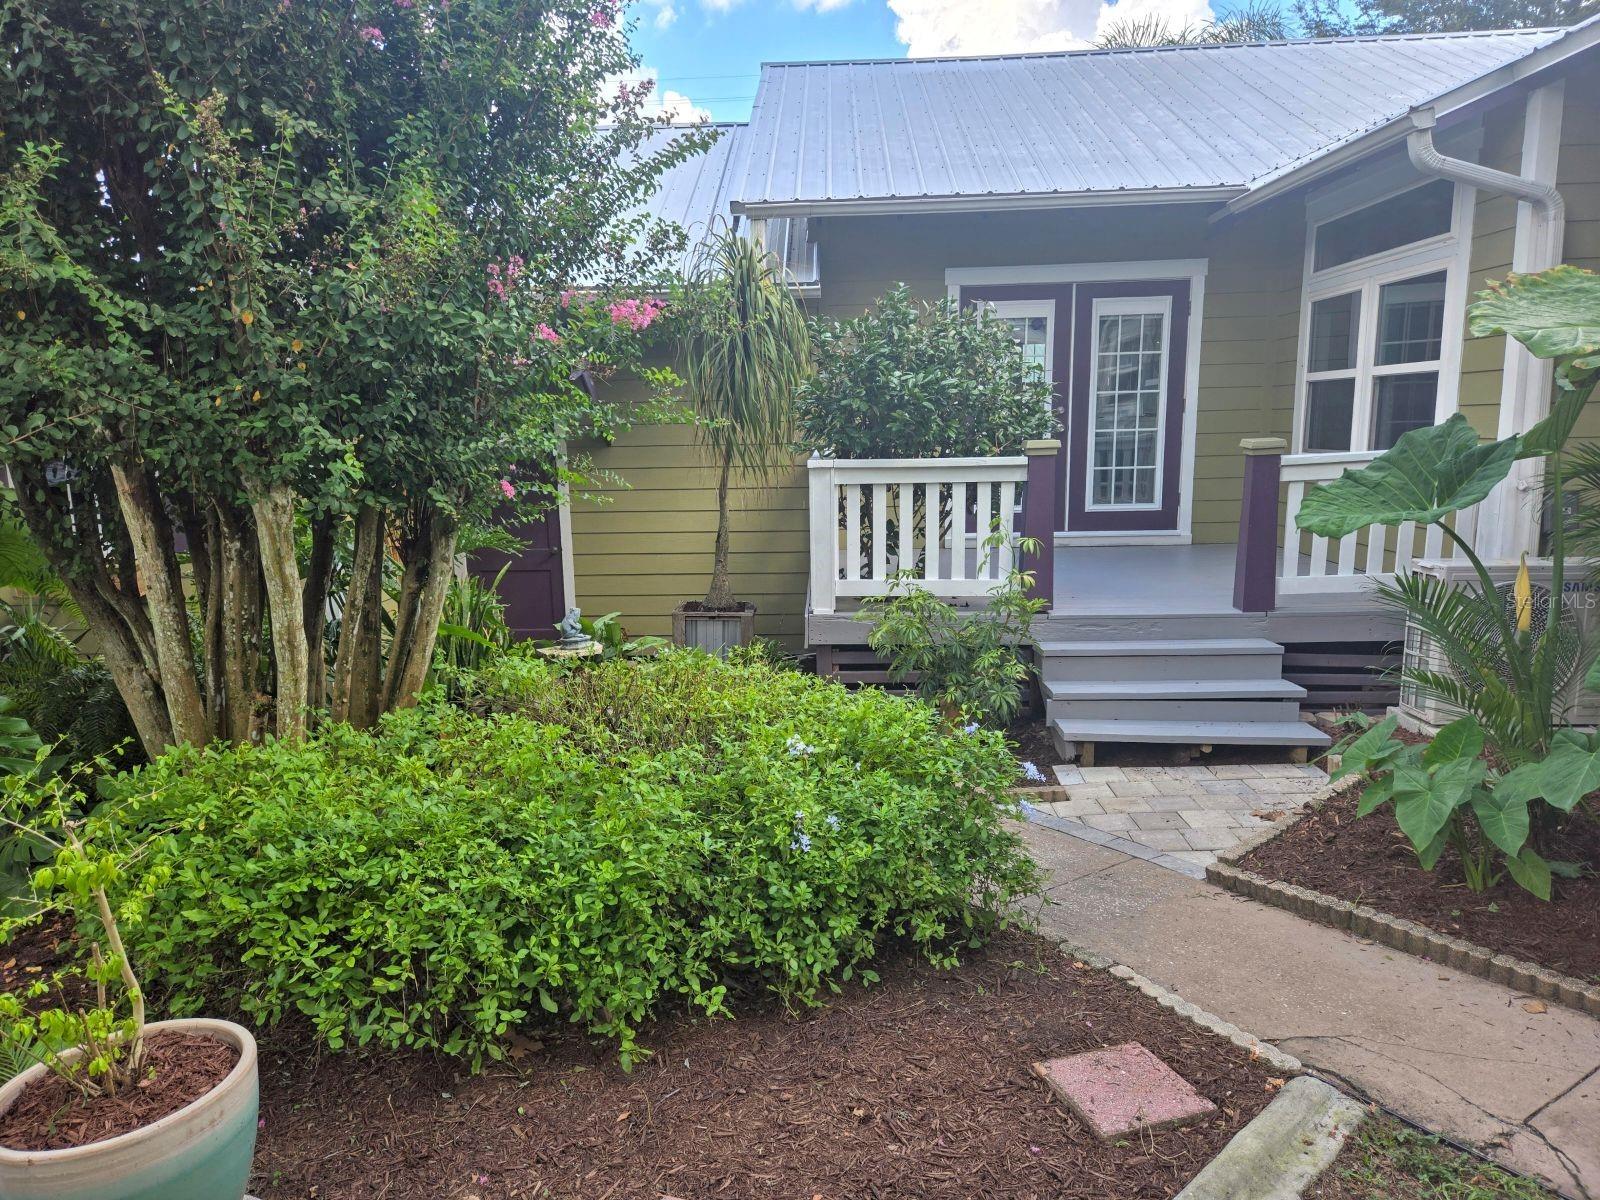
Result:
[[674, 105], [821, 6], [934, 27], [666, 12]]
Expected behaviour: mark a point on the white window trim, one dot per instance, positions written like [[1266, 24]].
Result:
[[1027, 309], [1130, 305], [1449, 252], [1192, 269]]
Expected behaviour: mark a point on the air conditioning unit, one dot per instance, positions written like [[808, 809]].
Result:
[[1580, 605]]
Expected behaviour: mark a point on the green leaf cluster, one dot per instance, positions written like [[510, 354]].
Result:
[[604, 842]]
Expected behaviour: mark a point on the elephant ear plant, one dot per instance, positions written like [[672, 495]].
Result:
[[1506, 774]]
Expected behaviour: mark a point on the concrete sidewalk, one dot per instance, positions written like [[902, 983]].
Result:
[[1455, 1053]]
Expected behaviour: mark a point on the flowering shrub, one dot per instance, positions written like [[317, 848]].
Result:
[[608, 840]]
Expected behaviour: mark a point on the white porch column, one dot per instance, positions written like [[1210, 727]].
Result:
[[1508, 522]]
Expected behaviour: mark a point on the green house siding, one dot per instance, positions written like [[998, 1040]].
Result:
[[643, 545]]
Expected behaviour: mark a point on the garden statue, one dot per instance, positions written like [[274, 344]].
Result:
[[573, 642]]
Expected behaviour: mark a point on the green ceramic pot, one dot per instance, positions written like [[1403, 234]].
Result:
[[201, 1152]]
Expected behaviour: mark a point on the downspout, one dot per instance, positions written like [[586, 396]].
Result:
[[1549, 208], [1509, 518]]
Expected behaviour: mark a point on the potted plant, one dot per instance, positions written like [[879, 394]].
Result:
[[745, 350], [112, 1107]]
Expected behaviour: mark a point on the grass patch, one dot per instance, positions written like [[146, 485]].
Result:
[[1390, 1161]]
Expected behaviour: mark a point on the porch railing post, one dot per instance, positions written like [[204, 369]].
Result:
[[1038, 515], [823, 525], [1255, 569]]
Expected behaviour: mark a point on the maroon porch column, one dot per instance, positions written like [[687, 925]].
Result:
[[1039, 514], [1255, 569]]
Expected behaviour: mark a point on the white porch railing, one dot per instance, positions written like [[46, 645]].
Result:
[[1313, 564], [941, 511]]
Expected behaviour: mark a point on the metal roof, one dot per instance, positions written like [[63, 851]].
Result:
[[1190, 122], [697, 193]]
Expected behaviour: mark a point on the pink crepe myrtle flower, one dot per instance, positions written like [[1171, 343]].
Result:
[[371, 34], [508, 489], [405, 3], [602, 17], [545, 334], [635, 314], [565, 298]]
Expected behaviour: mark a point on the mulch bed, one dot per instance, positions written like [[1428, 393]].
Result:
[[917, 1087], [51, 1115], [1031, 742], [1369, 861]]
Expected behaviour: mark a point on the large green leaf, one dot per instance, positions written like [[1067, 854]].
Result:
[[1568, 775], [1378, 793], [1531, 871], [1430, 473], [1551, 434], [1462, 738], [1503, 819], [1373, 745], [1424, 804], [1555, 314]]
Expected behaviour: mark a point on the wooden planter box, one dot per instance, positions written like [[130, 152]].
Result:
[[715, 632]]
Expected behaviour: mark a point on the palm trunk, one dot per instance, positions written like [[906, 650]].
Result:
[[169, 619], [720, 595]]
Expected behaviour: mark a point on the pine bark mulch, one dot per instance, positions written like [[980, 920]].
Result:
[[919, 1086], [1369, 861], [51, 1115]]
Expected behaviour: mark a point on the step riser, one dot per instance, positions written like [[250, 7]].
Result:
[[1189, 733], [1162, 666], [1173, 710], [1114, 629]]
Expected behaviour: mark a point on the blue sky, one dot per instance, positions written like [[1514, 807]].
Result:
[[706, 54]]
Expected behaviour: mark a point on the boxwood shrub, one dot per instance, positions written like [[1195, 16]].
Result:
[[598, 843]]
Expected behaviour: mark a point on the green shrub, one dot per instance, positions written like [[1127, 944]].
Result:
[[642, 834]]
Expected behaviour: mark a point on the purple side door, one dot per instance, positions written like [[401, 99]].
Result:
[[533, 589]]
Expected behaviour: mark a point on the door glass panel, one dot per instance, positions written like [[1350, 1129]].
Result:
[[1032, 337], [1334, 322], [1411, 320], [1412, 216], [1402, 403], [1126, 408], [1329, 405]]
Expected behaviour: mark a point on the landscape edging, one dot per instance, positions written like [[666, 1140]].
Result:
[[1396, 932]]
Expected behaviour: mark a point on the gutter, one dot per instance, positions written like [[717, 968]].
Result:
[[1549, 208], [986, 202]]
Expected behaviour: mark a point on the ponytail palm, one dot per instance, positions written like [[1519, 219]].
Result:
[[745, 351]]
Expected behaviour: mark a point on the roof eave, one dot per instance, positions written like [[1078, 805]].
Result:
[[988, 202], [1581, 37]]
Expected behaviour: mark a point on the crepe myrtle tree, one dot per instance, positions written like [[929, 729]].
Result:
[[282, 285]]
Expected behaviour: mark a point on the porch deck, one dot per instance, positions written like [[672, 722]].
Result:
[[1161, 592]]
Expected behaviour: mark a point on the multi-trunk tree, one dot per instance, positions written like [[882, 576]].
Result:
[[283, 304]]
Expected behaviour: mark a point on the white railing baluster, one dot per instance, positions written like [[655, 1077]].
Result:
[[880, 504], [908, 553], [1291, 531], [1008, 515], [985, 552], [958, 531], [932, 493], [852, 531], [1433, 543], [1347, 553], [1377, 539]]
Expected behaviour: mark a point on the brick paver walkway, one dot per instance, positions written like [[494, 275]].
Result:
[[1186, 813]]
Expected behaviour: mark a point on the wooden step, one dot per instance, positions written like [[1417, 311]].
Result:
[[1161, 659], [1172, 689], [1102, 708], [1188, 733], [1172, 647]]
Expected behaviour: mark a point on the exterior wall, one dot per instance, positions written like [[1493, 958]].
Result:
[[643, 544], [1578, 177], [1250, 318]]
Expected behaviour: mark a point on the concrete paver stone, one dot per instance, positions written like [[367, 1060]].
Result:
[[1120, 1090]]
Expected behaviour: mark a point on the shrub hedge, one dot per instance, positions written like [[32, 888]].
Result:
[[596, 842]]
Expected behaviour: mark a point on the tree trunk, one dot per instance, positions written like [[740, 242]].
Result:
[[205, 567], [358, 660], [163, 587], [319, 578], [240, 632], [720, 594], [428, 573], [274, 509]]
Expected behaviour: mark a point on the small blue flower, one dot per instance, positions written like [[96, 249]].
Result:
[[971, 729], [801, 842], [1029, 811], [797, 748], [1032, 773], [833, 821]]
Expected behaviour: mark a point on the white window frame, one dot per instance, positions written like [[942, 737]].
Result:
[[1448, 252], [1111, 306], [1027, 309]]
